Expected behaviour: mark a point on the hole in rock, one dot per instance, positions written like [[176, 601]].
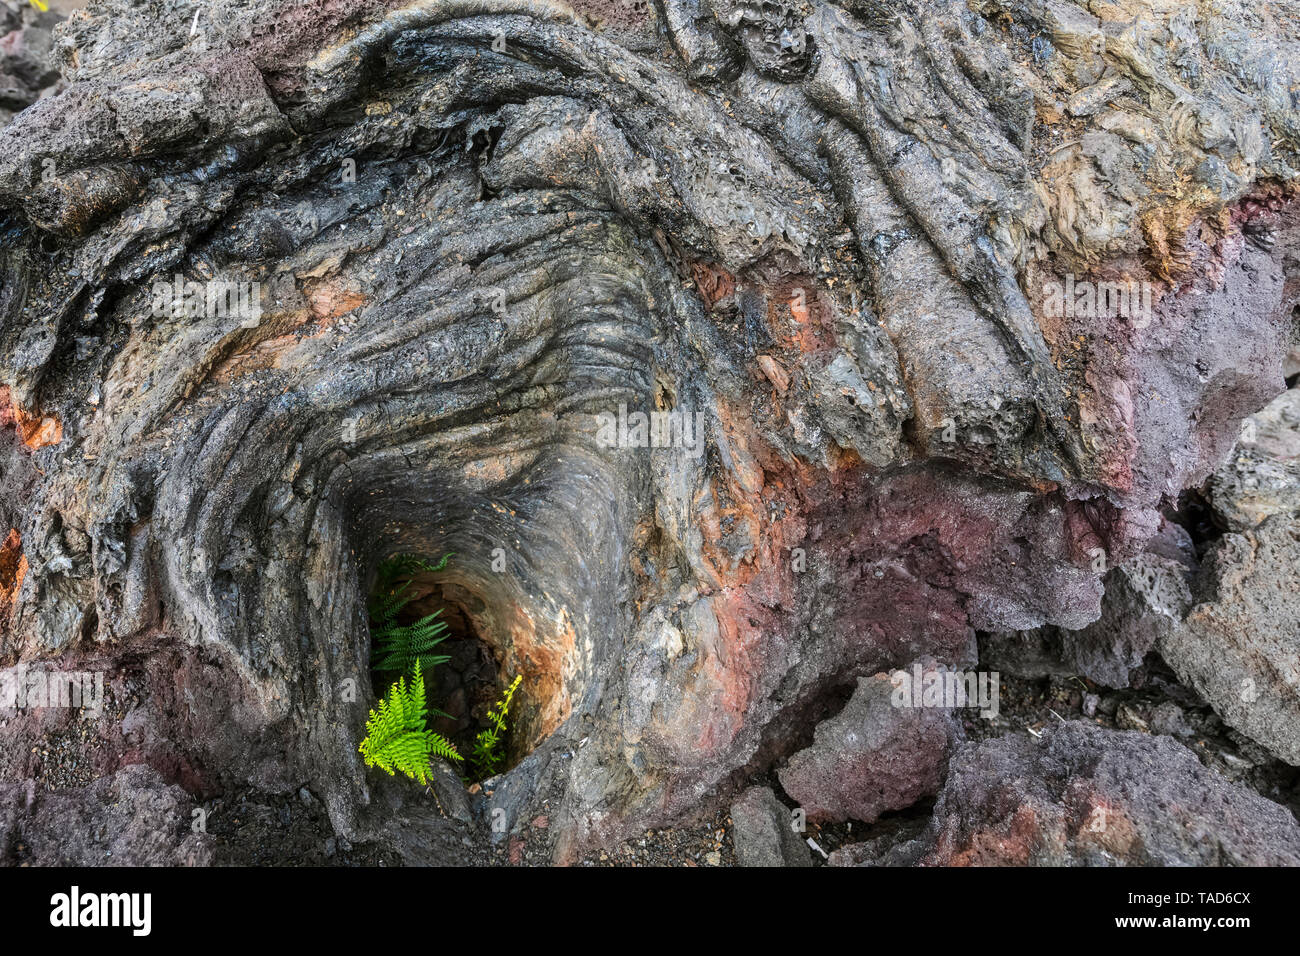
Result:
[[467, 685], [531, 589], [1196, 514], [466, 672]]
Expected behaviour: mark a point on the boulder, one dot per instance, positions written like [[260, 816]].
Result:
[[1239, 645], [763, 832], [873, 756], [1262, 476], [1083, 795]]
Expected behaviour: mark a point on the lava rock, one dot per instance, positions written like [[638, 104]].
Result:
[[1262, 475], [1083, 795], [470, 257], [1239, 646], [131, 818], [27, 68], [1145, 597], [872, 756], [763, 831], [451, 792]]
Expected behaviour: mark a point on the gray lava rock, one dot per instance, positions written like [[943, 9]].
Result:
[[451, 792], [763, 832], [27, 68], [1239, 646], [1262, 475], [1145, 597], [132, 818]]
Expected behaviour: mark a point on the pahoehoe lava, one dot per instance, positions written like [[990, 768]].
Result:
[[821, 230]]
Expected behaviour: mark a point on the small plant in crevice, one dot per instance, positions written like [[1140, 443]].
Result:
[[403, 648], [396, 736], [486, 756], [400, 735], [400, 566]]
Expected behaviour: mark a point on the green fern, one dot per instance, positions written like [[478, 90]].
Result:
[[408, 648], [396, 737], [401, 566], [486, 756], [403, 648]]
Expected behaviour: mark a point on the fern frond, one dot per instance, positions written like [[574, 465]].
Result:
[[385, 605], [402, 648], [401, 566], [396, 737], [440, 746]]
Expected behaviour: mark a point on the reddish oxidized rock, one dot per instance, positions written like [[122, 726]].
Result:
[[873, 756], [1084, 795]]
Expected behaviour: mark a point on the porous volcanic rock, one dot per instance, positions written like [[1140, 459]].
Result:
[[28, 69], [1262, 476], [132, 818], [872, 756], [1239, 646], [1083, 795], [1146, 597], [763, 831]]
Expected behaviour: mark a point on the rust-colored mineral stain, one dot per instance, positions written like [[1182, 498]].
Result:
[[331, 298], [39, 433], [730, 670], [713, 282], [799, 309], [543, 659], [13, 567], [775, 372], [36, 431], [799, 319], [1014, 846]]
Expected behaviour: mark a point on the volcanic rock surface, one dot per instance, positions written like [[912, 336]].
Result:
[[1083, 796], [828, 238], [871, 757]]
